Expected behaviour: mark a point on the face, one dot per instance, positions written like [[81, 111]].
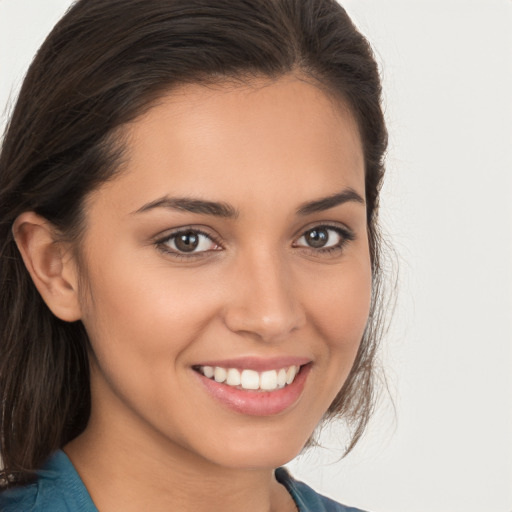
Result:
[[227, 273]]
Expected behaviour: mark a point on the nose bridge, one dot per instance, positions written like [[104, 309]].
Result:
[[264, 300]]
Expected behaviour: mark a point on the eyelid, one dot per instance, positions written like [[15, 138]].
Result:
[[346, 235], [161, 240], [338, 227]]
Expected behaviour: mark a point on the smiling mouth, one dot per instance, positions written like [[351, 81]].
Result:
[[251, 380]]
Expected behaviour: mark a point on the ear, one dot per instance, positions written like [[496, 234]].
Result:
[[50, 264]]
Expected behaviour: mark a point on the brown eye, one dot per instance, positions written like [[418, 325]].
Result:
[[189, 241], [325, 238], [317, 237], [186, 242]]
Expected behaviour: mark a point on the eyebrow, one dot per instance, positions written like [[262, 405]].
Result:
[[218, 209], [320, 205], [225, 210]]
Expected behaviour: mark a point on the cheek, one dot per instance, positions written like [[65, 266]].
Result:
[[342, 304], [141, 325], [146, 315], [339, 305]]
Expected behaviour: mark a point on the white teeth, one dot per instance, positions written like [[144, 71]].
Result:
[[219, 374], [281, 378], [250, 379], [269, 380], [233, 378], [290, 374], [208, 371]]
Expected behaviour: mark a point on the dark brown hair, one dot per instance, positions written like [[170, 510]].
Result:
[[104, 64]]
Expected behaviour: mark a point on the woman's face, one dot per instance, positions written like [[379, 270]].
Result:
[[234, 242]]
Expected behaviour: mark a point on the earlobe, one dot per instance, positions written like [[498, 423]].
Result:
[[49, 263]]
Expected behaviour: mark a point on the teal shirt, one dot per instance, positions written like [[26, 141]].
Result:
[[60, 489]]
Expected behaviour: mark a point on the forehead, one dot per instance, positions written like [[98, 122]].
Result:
[[234, 142]]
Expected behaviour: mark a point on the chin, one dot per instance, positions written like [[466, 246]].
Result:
[[259, 451]]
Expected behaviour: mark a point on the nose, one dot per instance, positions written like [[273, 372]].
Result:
[[263, 299]]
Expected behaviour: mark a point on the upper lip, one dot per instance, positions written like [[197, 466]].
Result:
[[257, 363]]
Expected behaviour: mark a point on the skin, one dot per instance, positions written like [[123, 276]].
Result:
[[156, 440]]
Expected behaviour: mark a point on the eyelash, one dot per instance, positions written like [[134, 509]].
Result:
[[346, 236], [162, 244]]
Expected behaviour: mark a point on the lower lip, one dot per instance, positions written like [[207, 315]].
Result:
[[257, 403]]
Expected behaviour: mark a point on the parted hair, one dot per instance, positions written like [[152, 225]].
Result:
[[103, 65]]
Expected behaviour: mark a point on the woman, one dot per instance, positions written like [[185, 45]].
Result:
[[190, 254]]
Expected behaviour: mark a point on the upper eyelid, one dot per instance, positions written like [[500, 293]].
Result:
[[206, 230], [170, 233], [325, 224]]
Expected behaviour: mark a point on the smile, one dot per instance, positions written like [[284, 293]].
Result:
[[255, 387], [248, 379]]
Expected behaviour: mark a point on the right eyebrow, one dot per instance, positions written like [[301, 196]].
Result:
[[192, 205]]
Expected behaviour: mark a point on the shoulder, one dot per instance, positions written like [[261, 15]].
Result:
[[58, 488], [308, 500]]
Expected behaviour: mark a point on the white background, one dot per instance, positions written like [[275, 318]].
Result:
[[447, 206]]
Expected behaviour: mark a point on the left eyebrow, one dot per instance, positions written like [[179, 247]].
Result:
[[325, 203]]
